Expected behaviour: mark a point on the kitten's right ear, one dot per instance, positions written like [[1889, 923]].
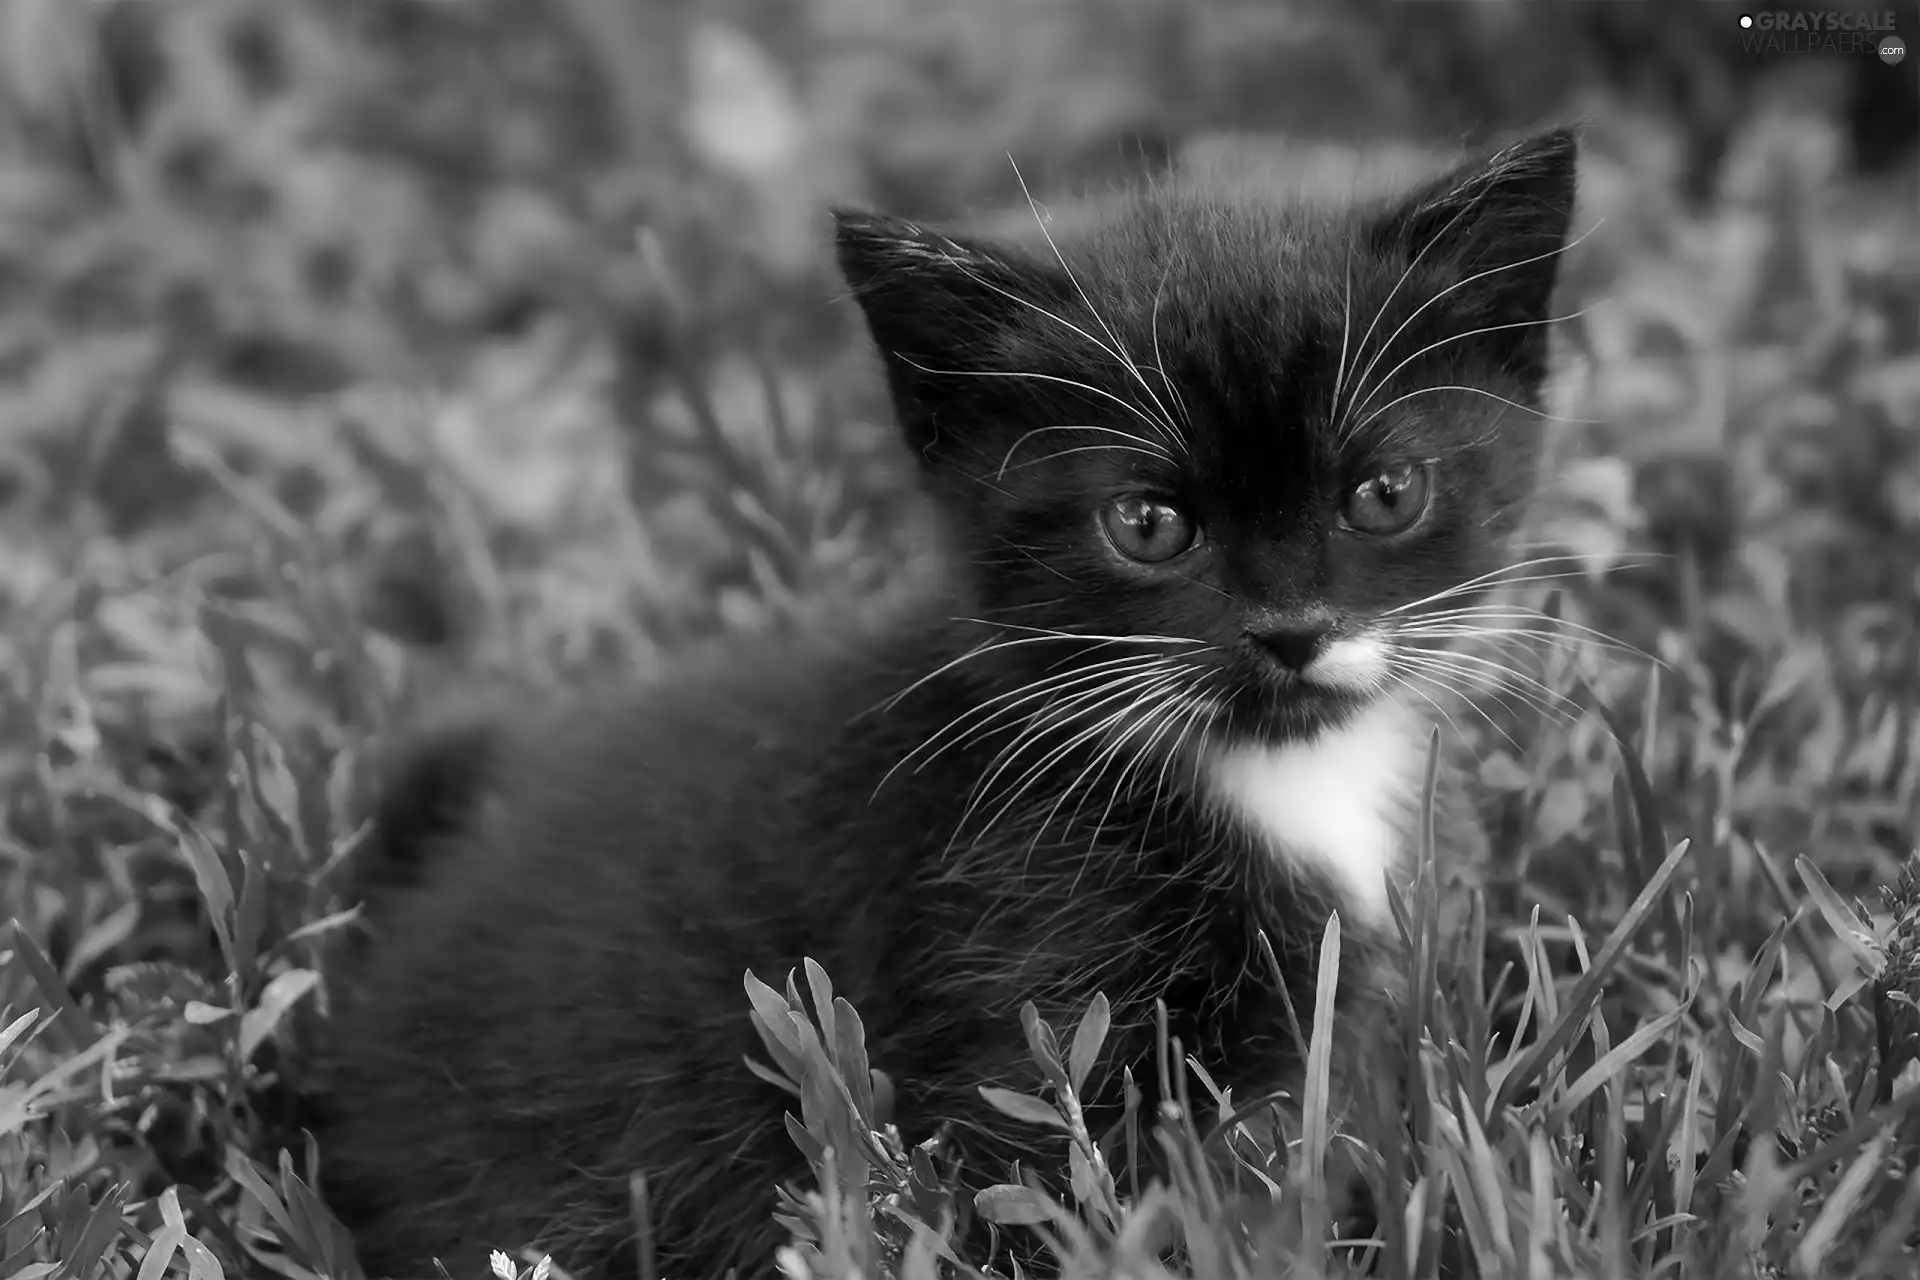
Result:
[[940, 308], [1499, 226]]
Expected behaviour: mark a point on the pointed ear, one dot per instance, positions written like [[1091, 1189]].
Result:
[[940, 308], [1497, 227], [915, 284]]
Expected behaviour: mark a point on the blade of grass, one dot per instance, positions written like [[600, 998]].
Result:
[[1316, 1126], [1838, 1212], [69, 1020], [1614, 1063], [1587, 991]]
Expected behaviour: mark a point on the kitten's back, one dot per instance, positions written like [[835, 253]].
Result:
[[636, 860], [426, 792]]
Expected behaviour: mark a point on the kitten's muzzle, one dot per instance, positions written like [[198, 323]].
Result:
[[1293, 648]]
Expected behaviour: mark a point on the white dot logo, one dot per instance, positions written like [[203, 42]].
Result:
[[1746, 20], [1892, 50]]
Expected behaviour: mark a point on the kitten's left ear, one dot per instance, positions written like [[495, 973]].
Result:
[[940, 307], [1503, 219], [926, 293]]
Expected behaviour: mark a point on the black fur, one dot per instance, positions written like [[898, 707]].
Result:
[[559, 1003], [427, 794]]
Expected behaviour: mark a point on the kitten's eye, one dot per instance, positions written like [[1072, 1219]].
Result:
[[1390, 502], [1146, 529]]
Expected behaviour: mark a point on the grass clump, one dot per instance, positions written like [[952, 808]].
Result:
[[1688, 1146]]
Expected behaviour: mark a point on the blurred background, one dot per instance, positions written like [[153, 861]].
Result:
[[397, 341]]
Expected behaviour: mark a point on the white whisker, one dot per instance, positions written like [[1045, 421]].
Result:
[[1128, 405], [1118, 349], [1491, 578], [1136, 444], [1577, 637], [1387, 346], [1471, 693], [1159, 361], [1474, 661], [1162, 719], [1085, 448], [1334, 411], [1406, 680], [1034, 635], [958, 265], [1007, 705], [1026, 781], [1477, 391], [1487, 675], [1346, 327], [1205, 711], [1133, 721], [1387, 378]]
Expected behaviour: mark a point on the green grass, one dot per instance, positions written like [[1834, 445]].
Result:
[[326, 330]]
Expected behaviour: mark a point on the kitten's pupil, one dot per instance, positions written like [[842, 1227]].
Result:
[[1390, 502], [1147, 529]]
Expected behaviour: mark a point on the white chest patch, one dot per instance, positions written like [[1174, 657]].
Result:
[[1341, 805]]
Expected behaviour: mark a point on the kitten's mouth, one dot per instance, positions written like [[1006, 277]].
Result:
[[1298, 714], [1300, 696]]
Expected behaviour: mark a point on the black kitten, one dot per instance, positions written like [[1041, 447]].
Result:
[[1220, 477]]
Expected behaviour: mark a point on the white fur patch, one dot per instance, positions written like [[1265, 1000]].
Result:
[[1340, 804], [1354, 665]]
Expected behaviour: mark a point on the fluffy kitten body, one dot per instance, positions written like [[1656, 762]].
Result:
[[1210, 472]]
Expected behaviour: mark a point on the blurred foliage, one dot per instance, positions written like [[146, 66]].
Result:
[[355, 350]]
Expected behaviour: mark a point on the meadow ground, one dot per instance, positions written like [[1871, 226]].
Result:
[[352, 351]]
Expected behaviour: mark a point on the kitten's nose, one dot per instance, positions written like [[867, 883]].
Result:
[[1293, 647]]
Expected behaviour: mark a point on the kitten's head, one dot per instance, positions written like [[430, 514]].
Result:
[[1249, 450]]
